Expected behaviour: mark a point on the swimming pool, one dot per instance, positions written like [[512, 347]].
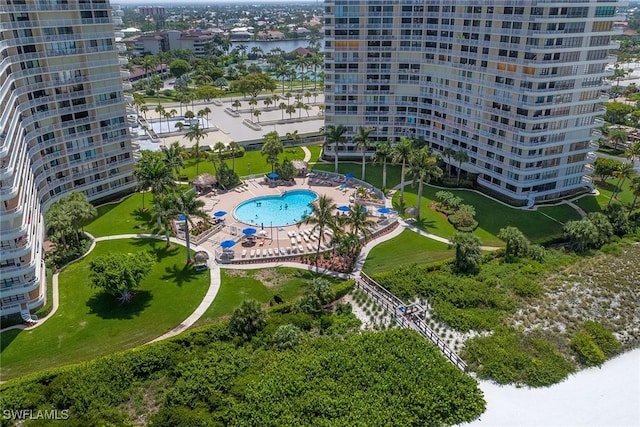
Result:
[[287, 209]]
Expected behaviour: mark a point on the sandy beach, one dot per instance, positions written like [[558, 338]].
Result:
[[607, 396]]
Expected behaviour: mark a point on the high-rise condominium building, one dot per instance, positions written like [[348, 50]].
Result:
[[63, 127], [517, 84]]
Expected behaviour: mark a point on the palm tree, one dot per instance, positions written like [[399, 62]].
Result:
[[358, 220], [233, 146], [335, 135], [196, 133], [290, 110], [173, 157], [623, 173], [282, 72], [179, 126], [301, 63], [461, 156], [635, 190], [219, 147], [271, 148], [423, 167], [293, 137], [382, 155], [362, 143], [448, 153], [322, 217], [165, 208], [236, 104], [252, 103], [282, 107], [197, 154], [402, 153], [189, 205], [267, 102], [633, 152], [257, 114], [143, 109], [617, 136], [160, 110], [152, 172]]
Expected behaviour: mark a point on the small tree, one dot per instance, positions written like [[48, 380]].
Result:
[[605, 168], [119, 273], [517, 243], [468, 254], [287, 336], [271, 148], [247, 320], [582, 234]]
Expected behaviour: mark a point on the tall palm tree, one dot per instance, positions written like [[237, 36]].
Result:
[[301, 63], [623, 173], [143, 109], [290, 110], [267, 102], [633, 152], [401, 154], [423, 167], [236, 104], [335, 135], [448, 153], [197, 154], [257, 114], [173, 157], [617, 136], [461, 156], [294, 137], [322, 217], [362, 141], [165, 208], [271, 148], [282, 106], [196, 133], [358, 221], [282, 72], [234, 147], [189, 205], [382, 155], [152, 172], [219, 147]]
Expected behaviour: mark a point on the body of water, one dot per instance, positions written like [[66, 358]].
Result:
[[266, 211]]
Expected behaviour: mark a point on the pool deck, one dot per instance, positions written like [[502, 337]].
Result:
[[274, 237]]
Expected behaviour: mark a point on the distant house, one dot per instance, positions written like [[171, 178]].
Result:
[[301, 51], [271, 35]]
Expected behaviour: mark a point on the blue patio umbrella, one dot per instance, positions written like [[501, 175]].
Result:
[[384, 210], [218, 214], [349, 175], [344, 208], [273, 175], [182, 217], [248, 231], [227, 243]]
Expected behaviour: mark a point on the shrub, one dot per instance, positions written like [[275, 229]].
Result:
[[463, 220], [588, 352], [603, 337]]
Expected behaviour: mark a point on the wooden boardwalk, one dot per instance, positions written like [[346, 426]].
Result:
[[406, 316]]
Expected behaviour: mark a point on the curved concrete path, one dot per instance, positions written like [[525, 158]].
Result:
[[307, 154]]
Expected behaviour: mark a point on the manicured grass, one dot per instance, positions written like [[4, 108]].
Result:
[[315, 152], [406, 249], [252, 163], [599, 202], [260, 285], [373, 172], [537, 225], [125, 217], [89, 323]]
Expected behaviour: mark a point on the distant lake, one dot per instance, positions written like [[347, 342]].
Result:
[[266, 46]]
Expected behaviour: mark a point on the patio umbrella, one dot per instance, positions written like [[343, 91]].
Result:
[[249, 231], [218, 214], [344, 208], [349, 175], [273, 175], [182, 217], [384, 210], [227, 243]]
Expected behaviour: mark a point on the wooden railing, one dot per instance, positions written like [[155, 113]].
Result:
[[396, 308]]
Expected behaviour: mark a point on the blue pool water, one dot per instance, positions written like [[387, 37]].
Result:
[[266, 211]]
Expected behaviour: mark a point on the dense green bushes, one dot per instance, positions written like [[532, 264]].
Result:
[[508, 357], [593, 344], [203, 378]]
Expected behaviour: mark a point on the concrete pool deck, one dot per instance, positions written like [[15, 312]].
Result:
[[274, 237]]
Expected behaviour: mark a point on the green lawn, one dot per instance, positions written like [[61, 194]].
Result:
[[599, 203], [406, 249], [89, 324], [251, 163], [373, 172], [315, 152], [537, 225], [260, 285], [124, 217]]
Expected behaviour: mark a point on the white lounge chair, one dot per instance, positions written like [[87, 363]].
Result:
[[283, 251], [257, 253], [298, 239], [243, 254], [270, 252], [264, 252], [300, 249], [252, 253]]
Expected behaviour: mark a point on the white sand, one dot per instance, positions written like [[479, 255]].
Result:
[[607, 397]]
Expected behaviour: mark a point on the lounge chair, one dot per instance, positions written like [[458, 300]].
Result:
[[309, 247], [264, 252], [298, 239], [270, 252], [300, 249], [293, 240], [257, 252], [252, 253], [243, 254]]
